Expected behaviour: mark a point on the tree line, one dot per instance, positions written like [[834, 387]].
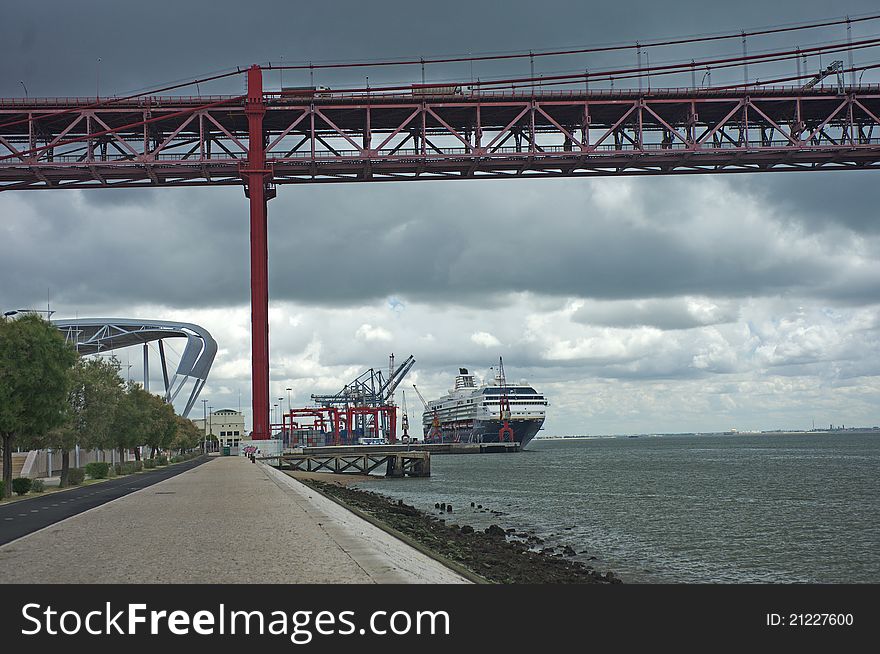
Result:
[[50, 397]]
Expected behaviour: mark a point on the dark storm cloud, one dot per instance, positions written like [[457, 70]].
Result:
[[351, 244], [469, 241], [178, 251], [134, 197], [671, 313], [820, 202], [59, 43], [465, 243]]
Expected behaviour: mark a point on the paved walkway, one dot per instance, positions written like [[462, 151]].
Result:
[[226, 521]]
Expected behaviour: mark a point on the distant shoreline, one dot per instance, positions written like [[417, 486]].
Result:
[[769, 432]]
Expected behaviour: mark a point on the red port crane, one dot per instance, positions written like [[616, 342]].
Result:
[[506, 432], [435, 435]]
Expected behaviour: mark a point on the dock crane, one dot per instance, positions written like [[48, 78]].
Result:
[[506, 432], [387, 388], [404, 422], [435, 435]]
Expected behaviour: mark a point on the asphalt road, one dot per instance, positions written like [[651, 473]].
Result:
[[23, 517]]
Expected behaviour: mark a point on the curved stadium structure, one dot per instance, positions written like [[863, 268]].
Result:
[[96, 335]]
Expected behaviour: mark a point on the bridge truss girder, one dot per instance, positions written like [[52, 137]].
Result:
[[179, 142]]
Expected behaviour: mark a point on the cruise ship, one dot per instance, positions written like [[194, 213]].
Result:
[[469, 413]]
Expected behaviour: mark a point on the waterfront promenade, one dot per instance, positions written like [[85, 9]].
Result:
[[226, 521]]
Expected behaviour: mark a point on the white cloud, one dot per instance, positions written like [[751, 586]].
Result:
[[367, 332], [780, 364], [485, 339]]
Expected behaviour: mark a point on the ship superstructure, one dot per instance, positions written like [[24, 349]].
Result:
[[475, 413]]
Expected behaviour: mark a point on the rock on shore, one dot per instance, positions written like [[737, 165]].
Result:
[[488, 553]]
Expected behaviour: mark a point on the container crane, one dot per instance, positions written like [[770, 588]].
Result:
[[506, 432], [435, 435], [366, 404]]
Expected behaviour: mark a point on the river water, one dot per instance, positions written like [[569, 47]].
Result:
[[767, 508]]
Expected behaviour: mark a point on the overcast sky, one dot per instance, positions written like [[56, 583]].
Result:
[[637, 305]]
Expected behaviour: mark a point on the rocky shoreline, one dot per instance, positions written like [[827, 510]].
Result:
[[494, 554]]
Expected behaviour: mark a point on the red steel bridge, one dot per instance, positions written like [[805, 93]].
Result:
[[260, 139], [205, 141]]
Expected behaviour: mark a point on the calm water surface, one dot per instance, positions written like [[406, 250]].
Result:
[[707, 509]]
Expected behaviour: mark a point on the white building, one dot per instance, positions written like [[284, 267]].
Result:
[[226, 425]]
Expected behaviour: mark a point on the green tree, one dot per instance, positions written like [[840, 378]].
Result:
[[142, 418], [187, 435], [35, 373], [91, 406], [111, 390], [128, 421], [162, 424]]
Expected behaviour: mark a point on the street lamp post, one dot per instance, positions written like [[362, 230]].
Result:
[[281, 416], [210, 415], [288, 436], [205, 425]]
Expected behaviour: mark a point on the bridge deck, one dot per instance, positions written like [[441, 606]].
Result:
[[180, 141]]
